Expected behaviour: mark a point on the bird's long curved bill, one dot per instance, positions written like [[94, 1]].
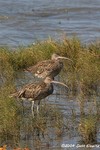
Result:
[[61, 57], [60, 83]]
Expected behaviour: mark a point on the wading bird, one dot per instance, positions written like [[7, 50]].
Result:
[[36, 92], [50, 67]]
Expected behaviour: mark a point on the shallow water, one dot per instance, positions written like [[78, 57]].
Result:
[[68, 105], [70, 108], [23, 22]]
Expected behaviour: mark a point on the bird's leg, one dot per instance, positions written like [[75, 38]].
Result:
[[23, 107], [38, 107], [32, 108]]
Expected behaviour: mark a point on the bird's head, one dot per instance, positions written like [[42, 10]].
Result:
[[48, 80]]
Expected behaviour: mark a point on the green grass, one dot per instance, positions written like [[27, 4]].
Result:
[[9, 116], [88, 129], [82, 76], [83, 72]]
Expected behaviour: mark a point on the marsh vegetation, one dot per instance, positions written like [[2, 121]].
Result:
[[82, 77]]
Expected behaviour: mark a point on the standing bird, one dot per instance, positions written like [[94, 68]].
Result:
[[50, 67], [35, 92]]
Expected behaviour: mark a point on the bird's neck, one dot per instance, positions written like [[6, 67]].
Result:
[[48, 83]]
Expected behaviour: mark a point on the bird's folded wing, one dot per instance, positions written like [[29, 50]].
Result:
[[42, 69]]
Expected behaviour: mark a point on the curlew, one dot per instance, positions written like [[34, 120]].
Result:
[[36, 91], [50, 67]]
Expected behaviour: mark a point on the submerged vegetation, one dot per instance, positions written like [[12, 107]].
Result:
[[82, 77]]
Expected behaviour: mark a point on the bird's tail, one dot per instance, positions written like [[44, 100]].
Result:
[[13, 95], [17, 94], [29, 69]]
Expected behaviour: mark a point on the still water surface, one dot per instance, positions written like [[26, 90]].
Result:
[[24, 21]]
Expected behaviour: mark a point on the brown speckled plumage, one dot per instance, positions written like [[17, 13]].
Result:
[[51, 67], [36, 91]]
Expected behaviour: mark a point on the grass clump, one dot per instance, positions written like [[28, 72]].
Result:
[[84, 73], [9, 117], [88, 129], [6, 70], [81, 74], [49, 119]]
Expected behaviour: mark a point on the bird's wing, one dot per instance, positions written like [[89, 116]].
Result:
[[42, 69], [40, 90], [17, 94], [26, 88], [33, 90], [29, 88], [39, 66]]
